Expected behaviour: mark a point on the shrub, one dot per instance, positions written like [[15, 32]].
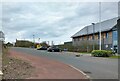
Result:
[[101, 53], [110, 53]]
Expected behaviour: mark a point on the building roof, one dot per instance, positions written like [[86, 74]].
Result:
[[105, 26], [70, 42]]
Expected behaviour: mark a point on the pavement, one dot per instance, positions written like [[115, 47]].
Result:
[[49, 69], [96, 68]]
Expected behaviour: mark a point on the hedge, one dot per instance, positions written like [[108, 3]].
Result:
[[102, 53]]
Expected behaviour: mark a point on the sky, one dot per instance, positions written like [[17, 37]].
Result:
[[51, 21]]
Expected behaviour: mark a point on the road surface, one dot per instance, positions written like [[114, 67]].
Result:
[[96, 68]]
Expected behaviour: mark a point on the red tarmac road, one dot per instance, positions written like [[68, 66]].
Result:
[[48, 69]]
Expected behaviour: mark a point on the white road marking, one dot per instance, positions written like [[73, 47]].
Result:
[[80, 71]]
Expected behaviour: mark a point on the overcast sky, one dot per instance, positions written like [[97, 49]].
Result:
[[51, 21]]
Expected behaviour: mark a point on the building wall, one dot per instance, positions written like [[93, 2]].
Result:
[[88, 41]]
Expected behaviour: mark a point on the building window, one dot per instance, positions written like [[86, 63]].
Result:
[[107, 35], [104, 35], [93, 37], [74, 39], [115, 37], [88, 37], [98, 35], [82, 38]]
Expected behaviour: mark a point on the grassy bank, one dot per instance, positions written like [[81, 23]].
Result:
[[115, 57], [15, 68]]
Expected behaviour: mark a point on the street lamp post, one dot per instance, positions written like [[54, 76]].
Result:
[[93, 34], [87, 40], [33, 38], [39, 40], [118, 35], [33, 41], [118, 28], [100, 25]]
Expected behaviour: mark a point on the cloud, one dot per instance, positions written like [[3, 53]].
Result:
[[60, 1], [51, 21]]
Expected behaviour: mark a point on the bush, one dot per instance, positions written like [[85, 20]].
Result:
[[110, 53], [101, 53]]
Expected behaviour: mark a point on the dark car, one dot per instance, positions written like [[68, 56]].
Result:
[[42, 48], [53, 49]]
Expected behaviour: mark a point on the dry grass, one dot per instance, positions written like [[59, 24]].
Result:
[[15, 68]]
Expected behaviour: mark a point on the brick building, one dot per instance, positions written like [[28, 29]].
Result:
[[87, 39]]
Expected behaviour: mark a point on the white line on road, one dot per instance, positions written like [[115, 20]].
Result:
[[80, 71]]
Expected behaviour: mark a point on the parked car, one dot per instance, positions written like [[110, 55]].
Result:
[[53, 49], [65, 49], [42, 48]]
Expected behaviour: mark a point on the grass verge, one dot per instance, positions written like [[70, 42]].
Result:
[[15, 68], [84, 53], [115, 57]]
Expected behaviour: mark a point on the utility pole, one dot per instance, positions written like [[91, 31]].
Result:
[[100, 25]]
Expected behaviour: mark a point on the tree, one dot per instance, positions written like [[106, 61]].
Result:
[[9, 44], [23, 43], [44, 44]]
